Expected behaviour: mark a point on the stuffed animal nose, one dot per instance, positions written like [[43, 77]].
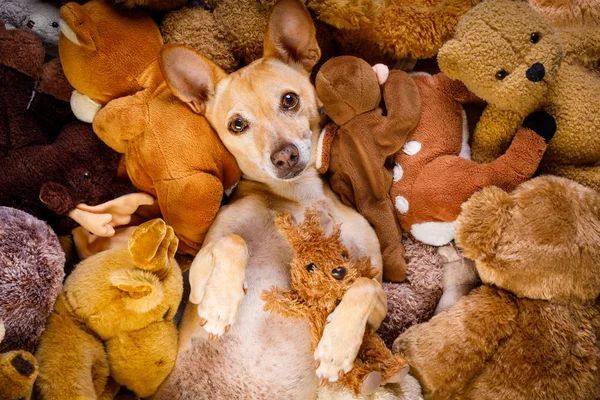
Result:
[[536, 72], [286, 157], [22, 366]]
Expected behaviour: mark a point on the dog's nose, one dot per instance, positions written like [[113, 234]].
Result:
[[536, 72], [286, 157]]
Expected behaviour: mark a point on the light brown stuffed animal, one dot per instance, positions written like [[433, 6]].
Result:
[[532, 331], [113, 322], [110, 56], [18, 370], [506, 54], [321, 272]]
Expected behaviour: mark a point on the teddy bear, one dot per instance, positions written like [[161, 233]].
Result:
[[505, 53], [31, 274], [321, 272], [532, 330], [171, 151], [18, 370], [112, 324]]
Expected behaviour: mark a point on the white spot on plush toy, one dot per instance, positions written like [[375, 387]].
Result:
[[382, 72], [433, 233], [398, 172], [83, 107], [411, 148], [465, 149], [402, 205], [68, 32]]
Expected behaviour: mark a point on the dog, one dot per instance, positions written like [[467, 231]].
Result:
[[268, 116]]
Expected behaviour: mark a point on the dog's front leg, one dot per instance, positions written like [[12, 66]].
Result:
[[365, 302], [217, 283]]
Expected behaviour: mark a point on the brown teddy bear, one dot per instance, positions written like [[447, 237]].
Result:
[[532, 331], [112, 324], [18, 370], [321, 272], [505, 53], [171, 152]]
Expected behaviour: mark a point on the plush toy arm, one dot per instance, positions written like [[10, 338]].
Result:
[[121, 120], [284, 302], [494, 132], [446, 352], [455, 89], [586, 175], [581, 44]]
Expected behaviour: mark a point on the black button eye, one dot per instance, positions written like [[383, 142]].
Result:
[[238, 125], [311, 267], [289, 101], [501, 74], [339, 273], [30, 24], [534, 37], [54, 24], [87, 176]]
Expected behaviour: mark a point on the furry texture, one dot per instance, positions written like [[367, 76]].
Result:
[[18, 370], [408, 389], [113, 322], [365, 140], [509, 36], [532, 331], [321, 272], [154, 5], [193, 168], [31, 273]]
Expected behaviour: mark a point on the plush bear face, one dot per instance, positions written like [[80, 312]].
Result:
[[542, 241], [504, 53], [127, 289], [321, 270]]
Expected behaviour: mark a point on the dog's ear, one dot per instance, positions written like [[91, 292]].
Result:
[[291, 35], [191, 77]]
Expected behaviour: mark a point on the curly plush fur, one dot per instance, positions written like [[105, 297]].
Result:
[[31, 273]]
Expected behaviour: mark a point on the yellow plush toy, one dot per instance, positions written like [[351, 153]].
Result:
[[112, 324], [18, 370], [506, 54]]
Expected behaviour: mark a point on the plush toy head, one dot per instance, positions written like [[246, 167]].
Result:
[[505, 53], [18, 370], [31, 274], [321, 270], [343, 98], [127, 289], [95, 48], [542, 241]]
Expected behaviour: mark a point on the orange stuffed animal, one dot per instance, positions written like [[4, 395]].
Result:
[[110, 56], [321, 272]]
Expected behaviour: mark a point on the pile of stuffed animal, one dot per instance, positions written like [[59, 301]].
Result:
[[466, 132]]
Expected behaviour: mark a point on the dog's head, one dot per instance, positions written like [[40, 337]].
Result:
[[265, 113]]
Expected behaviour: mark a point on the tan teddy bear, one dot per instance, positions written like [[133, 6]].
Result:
[[532, 331], [506, 54], [112, 324]]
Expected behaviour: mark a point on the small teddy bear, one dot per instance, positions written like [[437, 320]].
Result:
[[532, 331], [18, 370], [505, 53], [112, 324], [321, 272]]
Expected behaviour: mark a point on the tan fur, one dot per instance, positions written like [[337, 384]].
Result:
[[531, 332], [257, 354], [18, 370]]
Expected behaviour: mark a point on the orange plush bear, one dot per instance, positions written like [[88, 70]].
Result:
[[111, 57], [321, 272]]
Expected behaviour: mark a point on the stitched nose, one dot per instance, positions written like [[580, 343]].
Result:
[[536, 72], [286, 157]]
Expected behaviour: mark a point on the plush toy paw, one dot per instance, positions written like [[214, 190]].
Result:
[[18, 371], [541, 123], [152, 245]]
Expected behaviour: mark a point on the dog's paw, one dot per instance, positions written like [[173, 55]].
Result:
[[217, 283]]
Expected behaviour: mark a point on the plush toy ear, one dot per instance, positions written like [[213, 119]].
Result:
[[191, 77], [481, 222], [291, 35], [448, 57], [152, 246], [77, 26], [142, 290], [56, 197]]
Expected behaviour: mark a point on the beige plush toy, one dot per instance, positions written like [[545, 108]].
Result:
[[112, 324], [506, 54], [18, 370]]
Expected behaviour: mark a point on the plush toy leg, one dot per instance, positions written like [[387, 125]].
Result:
[[190, 205], [141, 360], [18, 370]]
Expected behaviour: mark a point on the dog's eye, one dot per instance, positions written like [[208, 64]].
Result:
[[238, 125], [534, 37], [501, 74], [311, 267], [289, 101], [339, 273], [87, 176]]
